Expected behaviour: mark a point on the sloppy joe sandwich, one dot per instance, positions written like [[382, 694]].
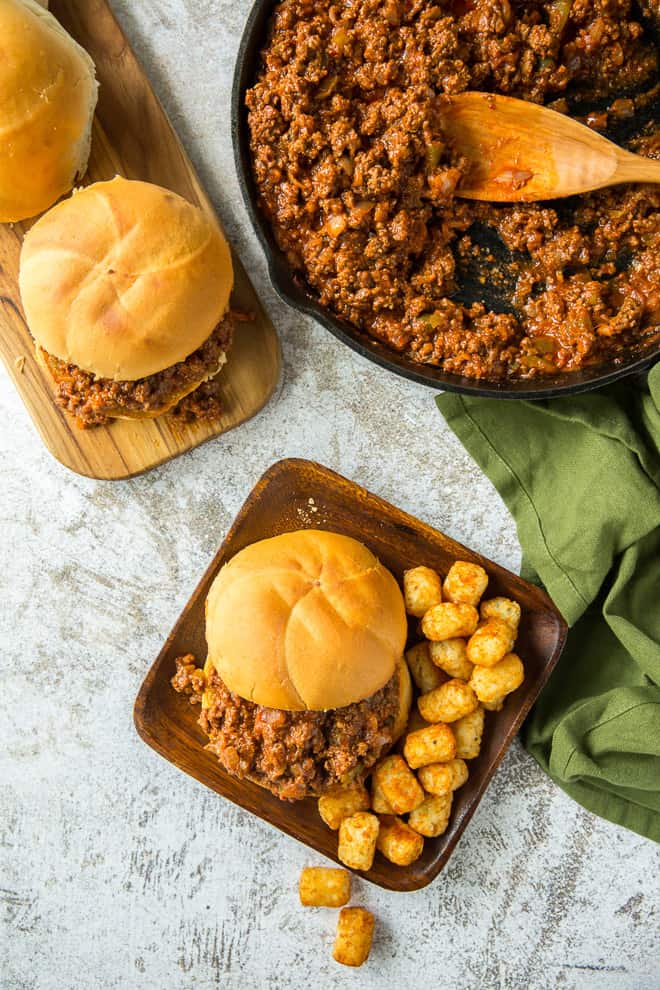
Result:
[[49, 93], [305, 686], [126, 288]]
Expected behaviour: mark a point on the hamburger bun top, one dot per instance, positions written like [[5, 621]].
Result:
[[306, 620], [49, 93], [124, 279]]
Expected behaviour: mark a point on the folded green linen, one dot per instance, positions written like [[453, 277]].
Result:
[[581, 477]]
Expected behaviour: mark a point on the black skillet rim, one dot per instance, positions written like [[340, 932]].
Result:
[[295, 296]]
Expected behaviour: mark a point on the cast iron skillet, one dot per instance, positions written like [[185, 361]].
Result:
[[293, 290]]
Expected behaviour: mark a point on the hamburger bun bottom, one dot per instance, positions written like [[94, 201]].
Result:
[[405, 700]]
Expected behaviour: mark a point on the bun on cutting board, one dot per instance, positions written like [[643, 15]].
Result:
[[104, 289], [49, 93]]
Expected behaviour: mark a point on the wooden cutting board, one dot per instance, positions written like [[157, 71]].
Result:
[[131, 137]]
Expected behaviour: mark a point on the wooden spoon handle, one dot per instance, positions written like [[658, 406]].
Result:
[[634, 168]]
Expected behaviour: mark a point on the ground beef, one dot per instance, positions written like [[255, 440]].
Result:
[[357, 178], [205, 403], [93, 401], [293, 754], [189, 679]]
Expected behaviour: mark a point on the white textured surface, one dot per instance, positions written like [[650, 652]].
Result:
[[116, 870]]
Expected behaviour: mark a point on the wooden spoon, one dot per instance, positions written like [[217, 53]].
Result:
[[519, 151]]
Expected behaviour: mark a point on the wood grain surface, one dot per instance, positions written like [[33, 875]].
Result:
[[132, 137], [299, 494]]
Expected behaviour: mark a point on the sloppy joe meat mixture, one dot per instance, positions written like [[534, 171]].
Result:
[[94, 400], [293, 754], [358, 182]]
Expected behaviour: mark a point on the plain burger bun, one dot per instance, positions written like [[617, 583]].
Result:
[[49, 91], [124, 279], [306, 620]]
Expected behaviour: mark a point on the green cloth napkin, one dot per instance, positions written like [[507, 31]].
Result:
[[581, 476]]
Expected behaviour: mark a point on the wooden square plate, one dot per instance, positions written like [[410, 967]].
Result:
[[132, 137], [297, 494]]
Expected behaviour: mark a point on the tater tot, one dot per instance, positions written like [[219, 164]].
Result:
[[492, 641], [491, 683], [424, 673], [432, 817], [398, 842], [434, 744], [494, 706], [447, 703], [465, 583], [355, 931], [436, 778], [415, 722], [422, 588], [342, 802], [357, 840], [321, 886], [443, 778], [379, 804], [448, 621], [450, 655], [398, 784], [501, 608], [468, 732]]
